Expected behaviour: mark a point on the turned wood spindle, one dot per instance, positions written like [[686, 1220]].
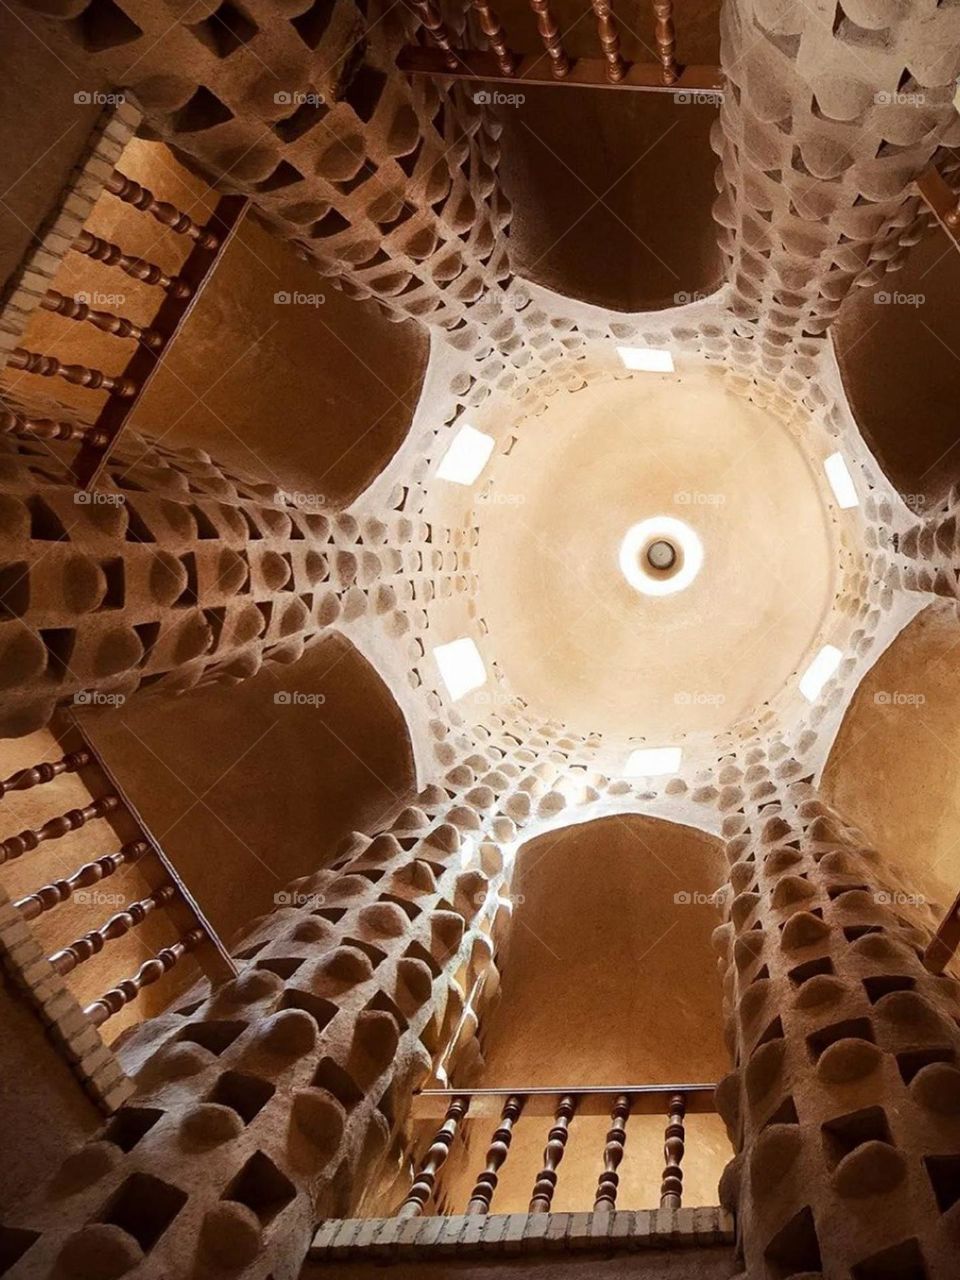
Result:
[[51, 895], [436, 29], [169, 215], [546, 1182], [106, 321], [55, 828], [139, 268], [609, 1179], [671, 1189], [80, 375], [151, 971], [666, 38], [609, 40], [952, 217], [490, 26], [18, 424], [81, 949], [426, 1179], [497, 1153], [45, 771], [550, 35]]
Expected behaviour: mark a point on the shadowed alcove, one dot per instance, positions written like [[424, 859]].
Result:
[[609, 978], [903, 723]]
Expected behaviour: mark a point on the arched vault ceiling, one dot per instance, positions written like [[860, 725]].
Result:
[[584, 449]]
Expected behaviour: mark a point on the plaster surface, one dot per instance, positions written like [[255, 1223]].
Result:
[[574, 637]]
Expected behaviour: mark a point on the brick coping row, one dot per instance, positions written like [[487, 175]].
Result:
[[519, 1233]]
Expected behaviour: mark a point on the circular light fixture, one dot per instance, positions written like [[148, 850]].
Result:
[[660, 556]]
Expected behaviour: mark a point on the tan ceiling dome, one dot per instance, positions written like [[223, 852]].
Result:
[[662, 459]]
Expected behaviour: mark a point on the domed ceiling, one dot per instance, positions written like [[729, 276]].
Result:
[[569, 631], [647, 556]]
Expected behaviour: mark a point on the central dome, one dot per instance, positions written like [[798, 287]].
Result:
[[657, 560]]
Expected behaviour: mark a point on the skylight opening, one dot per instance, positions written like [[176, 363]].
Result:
[[461, 667], [646, 359], [819, 672], [841, 481], [468, 454], [651, 762]]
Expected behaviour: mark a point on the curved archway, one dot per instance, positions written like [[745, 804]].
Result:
[[322, 741], [902, 726], [608, 978]]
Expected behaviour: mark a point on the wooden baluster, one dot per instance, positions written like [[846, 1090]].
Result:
[[671, 1189], [169, 215], [66, 960], [80, 375], [666, 38], [426, 1179], [612, 1156], [609, 40], [952, 217], [18, 424], [139, 268], [51, 895], [496, 1154], [55, 828], [106, 321], [490, 26], [550, 35], [45, 771], [546, 1182], [437, 31], [151, 971]]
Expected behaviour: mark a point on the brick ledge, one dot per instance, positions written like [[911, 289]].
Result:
[[519, 1233]]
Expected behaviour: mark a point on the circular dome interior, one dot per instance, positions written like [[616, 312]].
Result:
[[578, 640]]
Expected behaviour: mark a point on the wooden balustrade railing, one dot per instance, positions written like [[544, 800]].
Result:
[[36, 775], [151, 971], [425, 1181], [611, 70], [106, 321], [560, 1107], [609, 1180], [671, 1189], [546, 1182], [56, 828], [51, 895], [180, 290], [497, 1152], [93, 942], [166, 891]]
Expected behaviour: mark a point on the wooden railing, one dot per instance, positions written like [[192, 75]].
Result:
[[133, 843], [610, 69], [559, 1108], [178, 295]]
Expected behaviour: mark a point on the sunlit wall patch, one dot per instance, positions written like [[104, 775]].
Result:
[[819, 672], [461, 667], [841, 481], [646, 359], [468, 454], [652, 762]]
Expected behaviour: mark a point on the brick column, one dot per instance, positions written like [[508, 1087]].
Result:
[[176, 571], [830, 114], [388, 183], [272, 1102], [844, 1101]]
